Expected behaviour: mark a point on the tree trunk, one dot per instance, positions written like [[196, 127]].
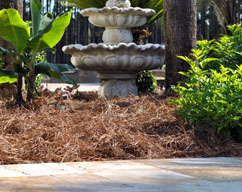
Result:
[[9, 90], [31, 80], [180, 38]]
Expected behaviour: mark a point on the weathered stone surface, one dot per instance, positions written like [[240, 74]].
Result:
[[115, 10], [39, 170], [117, 59], [118, 3], [116, 36], [166, 175], [117, 87], [117, 21], [6, 172]]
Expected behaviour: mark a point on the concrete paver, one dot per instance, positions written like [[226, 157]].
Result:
[[161, 175], [82, 86], [41, 169]]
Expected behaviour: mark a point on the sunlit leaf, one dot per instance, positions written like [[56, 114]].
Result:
[[14, 29], [7, 76]]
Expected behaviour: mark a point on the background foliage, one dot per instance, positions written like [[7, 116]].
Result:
[[146, 81], [211, 96], [80, 31]]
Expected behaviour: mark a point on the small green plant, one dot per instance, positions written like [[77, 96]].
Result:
[[29, 39], [40, 58], [212, 97], [37, 83], [146, 81]]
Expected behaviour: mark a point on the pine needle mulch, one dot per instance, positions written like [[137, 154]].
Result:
[[86, 128]]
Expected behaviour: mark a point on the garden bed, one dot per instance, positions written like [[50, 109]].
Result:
[[86, 128]]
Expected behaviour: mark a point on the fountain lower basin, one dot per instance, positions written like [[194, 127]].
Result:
[[117, 65], [122, 58]]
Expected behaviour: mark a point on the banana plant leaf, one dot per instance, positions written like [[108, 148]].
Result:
[[51, 38], [14, 29], [55, 71], [35, 14], [45, 25], [50, 31], [46, 31], [7, 76]]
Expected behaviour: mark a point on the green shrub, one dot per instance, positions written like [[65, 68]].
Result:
[[212, 97], [146, 81]]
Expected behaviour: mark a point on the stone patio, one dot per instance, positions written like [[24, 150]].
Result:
[[173, 175], [82, 86]]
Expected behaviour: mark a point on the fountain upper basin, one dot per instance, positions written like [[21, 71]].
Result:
[[121, 58], [114, 17]]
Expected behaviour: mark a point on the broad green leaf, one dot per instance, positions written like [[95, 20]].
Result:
[[55, 67], [7, 76], [35, 6], [44, 27], [14, 29], [55, 71], [54, 35]]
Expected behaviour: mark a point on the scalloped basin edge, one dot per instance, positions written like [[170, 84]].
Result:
[[121, 58]]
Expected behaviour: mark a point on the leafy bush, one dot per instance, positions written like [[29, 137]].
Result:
[[146, 81], [213, 97]]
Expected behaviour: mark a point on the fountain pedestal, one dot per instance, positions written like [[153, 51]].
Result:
[[117, 85], [117, 60]]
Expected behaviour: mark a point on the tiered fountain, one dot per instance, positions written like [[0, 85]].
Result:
[[117, 60]]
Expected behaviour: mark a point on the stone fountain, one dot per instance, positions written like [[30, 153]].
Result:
[[118, 59]]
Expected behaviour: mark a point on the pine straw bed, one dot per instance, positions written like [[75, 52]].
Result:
[[86, 128]]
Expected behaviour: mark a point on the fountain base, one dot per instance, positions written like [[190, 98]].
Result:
[[112, 85]]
